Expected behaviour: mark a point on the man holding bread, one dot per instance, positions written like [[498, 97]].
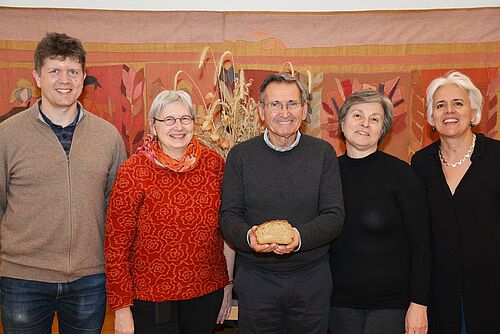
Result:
[[281, 206]]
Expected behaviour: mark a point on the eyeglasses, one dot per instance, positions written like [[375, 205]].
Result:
[[277, 106], [169, 120]]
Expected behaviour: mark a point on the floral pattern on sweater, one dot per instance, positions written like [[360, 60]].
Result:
[[163, 240]]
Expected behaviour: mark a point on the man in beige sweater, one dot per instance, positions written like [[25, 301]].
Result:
[[57, 166]]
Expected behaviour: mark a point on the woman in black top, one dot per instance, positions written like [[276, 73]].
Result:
[[461, 175], [381, 261]]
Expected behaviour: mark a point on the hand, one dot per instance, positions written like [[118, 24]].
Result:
[[124, 322], [416, 319], [225, 308], [264, 248], [285, 249]]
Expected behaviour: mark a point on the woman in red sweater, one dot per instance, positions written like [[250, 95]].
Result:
[[168, 269]]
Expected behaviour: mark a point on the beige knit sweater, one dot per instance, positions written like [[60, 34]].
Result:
[[52, 206]]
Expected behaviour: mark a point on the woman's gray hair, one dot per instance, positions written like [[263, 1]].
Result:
[[462, 81], [168, 97], [368, 96]]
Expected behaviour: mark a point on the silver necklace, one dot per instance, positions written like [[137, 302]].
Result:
[[461, 161]]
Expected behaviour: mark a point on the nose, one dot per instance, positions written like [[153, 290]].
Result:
[[63, 76], [284, 110], [365, 122], [177, 124]]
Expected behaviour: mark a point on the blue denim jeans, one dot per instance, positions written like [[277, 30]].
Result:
[[29, 306]]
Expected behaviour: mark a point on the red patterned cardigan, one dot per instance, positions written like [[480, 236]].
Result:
[[162, 237]]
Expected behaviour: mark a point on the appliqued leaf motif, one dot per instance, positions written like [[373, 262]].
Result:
[[123, 116], [346, 88], [127, 79], [356, 85], [391, 86], [137, 108], [340, 90], [138, 77], [137, 91], [132, 116]]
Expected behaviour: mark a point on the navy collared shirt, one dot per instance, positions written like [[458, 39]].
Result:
[[65, 135]]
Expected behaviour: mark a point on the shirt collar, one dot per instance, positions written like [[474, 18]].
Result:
[[281, 149], [47, 120]]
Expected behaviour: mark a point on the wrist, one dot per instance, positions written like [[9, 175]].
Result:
[[123, 311]]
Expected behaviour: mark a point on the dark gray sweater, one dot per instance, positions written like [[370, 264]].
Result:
[[301, 186]]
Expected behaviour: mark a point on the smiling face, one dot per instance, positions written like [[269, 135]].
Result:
[[60, 82], [362, 128], [282, 124], [452, 113], [173, 139]]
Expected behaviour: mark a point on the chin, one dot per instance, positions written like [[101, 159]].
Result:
[[450, 133]]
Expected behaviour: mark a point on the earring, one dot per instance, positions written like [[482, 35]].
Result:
[[433, 129], [472, 125]]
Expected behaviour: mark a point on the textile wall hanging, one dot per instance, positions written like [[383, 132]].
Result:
[[134, 55]]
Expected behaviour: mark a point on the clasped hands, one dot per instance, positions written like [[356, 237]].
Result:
[[275, 248]]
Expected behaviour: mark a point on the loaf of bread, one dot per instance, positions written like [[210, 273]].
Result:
[[274, 231]]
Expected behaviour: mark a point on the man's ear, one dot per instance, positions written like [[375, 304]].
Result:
[[304, 111], [260, 109], [36, 76]]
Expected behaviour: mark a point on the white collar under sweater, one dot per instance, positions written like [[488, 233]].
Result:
[[281, 149]]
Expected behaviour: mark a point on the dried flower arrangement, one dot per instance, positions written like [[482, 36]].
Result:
[[230, 115]]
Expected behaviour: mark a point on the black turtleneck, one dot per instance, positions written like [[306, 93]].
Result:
[[382, 258]]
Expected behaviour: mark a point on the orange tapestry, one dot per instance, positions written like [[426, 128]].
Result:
[[134, 55]]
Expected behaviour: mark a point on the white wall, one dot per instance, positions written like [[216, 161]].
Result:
[[253, 5]]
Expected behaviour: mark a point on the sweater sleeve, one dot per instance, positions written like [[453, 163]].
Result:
[[328, 224], [413, 205], [120, 229], [232, 221], [119, 156]]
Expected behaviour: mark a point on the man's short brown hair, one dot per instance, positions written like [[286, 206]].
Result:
[[59, 46]]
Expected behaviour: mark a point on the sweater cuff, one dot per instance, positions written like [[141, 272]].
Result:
[[300, 240]]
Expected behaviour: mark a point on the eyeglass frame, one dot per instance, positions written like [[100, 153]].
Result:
[[164, 121], [290, 106]]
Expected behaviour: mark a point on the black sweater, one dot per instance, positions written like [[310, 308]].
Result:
[[301, 186], [382, 259]]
